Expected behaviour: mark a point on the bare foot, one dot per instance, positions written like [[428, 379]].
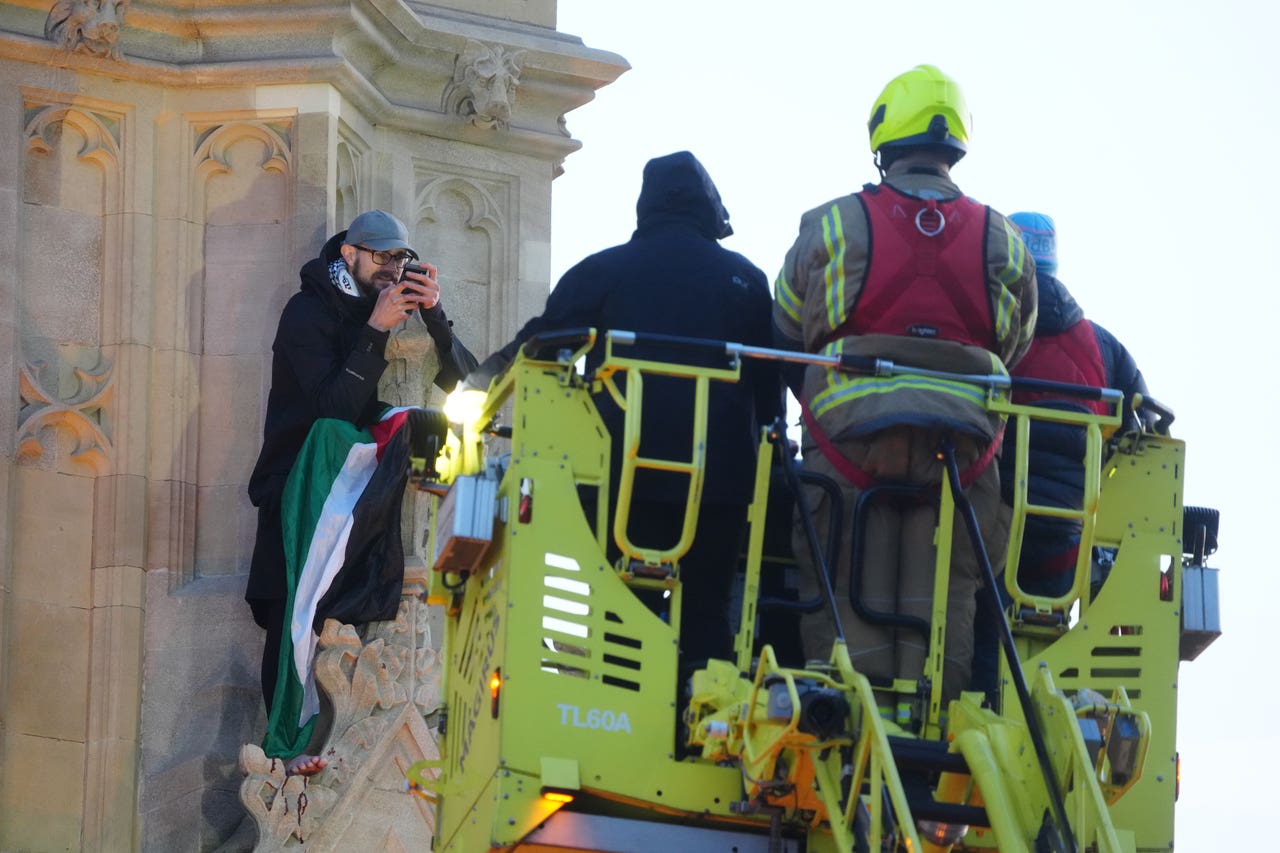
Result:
[[305, 765]]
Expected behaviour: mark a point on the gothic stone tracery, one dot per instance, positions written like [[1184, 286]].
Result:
[[384, 694]]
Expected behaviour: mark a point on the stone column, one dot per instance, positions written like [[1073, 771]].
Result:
[[168, 168]]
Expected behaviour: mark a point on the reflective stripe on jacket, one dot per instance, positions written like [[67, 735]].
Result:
[[821, 285], [826, 268], [849, 405]]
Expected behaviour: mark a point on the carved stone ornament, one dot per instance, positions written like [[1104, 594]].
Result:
[[483, 89], [412, 364], [87, 26], [45, 416], [382, 689]]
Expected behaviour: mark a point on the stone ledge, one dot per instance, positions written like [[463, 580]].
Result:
[[395, 62]]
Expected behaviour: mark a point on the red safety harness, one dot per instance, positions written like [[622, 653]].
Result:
[[926, 270], [926, 277]]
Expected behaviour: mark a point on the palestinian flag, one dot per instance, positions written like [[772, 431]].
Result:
[[343, 556]]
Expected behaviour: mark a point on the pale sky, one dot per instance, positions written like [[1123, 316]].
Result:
[[1134, 124]]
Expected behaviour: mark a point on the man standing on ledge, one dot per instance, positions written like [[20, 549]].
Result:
[[327, 359]]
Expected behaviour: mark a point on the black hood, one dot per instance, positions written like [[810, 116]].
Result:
[[1057, 310], [677, 189], [316, 277], [330, 252]]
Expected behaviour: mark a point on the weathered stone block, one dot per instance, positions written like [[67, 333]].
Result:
[[201, 645], [244, 262], [120, 521], [48, 657], [53, 538], [225, 524], [119, 586], [41, 794], [231, 430]]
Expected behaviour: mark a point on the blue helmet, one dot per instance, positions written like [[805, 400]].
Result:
[[1041, 237]]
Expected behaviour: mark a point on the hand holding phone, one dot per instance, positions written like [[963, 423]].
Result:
[[425, 293]]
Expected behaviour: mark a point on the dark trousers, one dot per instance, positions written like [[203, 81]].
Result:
[[898, 559], [707, 571], [266, 592], [271, 649]]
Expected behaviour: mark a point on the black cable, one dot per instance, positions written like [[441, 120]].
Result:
[[811, 533], [1064, 840]]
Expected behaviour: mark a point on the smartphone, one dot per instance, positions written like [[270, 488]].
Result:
[[412, 268]]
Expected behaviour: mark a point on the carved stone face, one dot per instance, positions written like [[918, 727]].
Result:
[[87, 26], [484, 83], [492, 82]]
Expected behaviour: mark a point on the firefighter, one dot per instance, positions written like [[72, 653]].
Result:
[[949, 286]]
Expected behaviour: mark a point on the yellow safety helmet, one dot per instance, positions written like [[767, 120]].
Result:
[[921, 107]]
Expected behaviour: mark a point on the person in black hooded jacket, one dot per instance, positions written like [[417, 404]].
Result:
[[327, 358], [672, 277]]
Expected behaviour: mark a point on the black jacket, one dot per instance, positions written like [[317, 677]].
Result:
[[673, 278], [326, 363]]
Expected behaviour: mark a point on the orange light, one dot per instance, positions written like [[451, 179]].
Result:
[[1177, 775], [495, 688], [560, 797]]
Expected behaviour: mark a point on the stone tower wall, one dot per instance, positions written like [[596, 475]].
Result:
[[165, 169]]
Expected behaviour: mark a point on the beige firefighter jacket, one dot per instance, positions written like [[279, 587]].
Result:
[[848, 405]]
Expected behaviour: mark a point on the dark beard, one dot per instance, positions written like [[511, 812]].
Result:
[[371, 288]]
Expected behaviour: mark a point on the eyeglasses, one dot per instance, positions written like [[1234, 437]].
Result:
[[384, 258]]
